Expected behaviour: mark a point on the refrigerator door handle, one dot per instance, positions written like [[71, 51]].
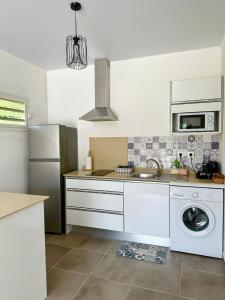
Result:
[[44, 160]]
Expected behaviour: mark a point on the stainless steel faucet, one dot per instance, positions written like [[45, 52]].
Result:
[[157, 163]]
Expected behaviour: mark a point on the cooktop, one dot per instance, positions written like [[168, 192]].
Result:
[[101, 172]]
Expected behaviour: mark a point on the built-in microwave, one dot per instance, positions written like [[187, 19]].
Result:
[[199, 121]]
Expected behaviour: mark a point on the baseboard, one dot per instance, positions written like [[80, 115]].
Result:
[[122, 236]]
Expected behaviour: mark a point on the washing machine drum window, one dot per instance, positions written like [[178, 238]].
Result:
[[195, 219]]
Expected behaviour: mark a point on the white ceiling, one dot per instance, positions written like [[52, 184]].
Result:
[[117, 29]]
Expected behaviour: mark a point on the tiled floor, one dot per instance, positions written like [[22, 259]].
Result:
[[86, 268]]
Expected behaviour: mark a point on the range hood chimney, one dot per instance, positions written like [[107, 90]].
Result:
[[102, 110]]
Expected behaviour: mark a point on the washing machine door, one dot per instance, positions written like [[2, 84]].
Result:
[[196, 219]]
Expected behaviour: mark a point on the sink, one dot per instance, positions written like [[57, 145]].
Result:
[[144, 175]]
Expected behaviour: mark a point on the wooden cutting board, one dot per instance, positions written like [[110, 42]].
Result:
[[218, 178], [108, 152]]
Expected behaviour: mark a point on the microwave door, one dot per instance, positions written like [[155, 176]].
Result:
[[191, 122], [196, 122]]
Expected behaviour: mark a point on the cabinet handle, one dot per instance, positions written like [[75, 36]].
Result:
[[94, 191], [95, 210]]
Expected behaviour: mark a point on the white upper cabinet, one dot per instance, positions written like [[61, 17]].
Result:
[[197, 89]]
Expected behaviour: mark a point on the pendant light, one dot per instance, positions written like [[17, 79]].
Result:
[[76, 45]]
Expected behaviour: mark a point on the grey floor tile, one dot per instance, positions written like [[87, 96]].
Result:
[[116, 268], [203, 263], [112, 274], [174, 258], [63, 284], [184, 298], [202, 285], [164, 278], [54, 253], [80, 261], [67, 240], [48, 236], [96, 244], [114, 247], [101, 289], [136, 293]]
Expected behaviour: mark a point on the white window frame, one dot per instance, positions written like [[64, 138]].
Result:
[[15, 98]]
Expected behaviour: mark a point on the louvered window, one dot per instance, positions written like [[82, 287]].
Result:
[[12, 112]]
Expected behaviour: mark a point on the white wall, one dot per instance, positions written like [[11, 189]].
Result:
[[21, 79], [139, 93], [223, 73], [223, 135]]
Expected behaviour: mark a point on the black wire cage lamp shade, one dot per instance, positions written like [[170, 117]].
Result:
[[76, 46]]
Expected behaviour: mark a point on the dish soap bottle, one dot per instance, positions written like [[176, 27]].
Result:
[[89, 161]]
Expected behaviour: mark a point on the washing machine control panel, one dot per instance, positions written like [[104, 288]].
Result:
[[195, 194]]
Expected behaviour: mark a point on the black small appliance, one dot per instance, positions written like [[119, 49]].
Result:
[[207, 169]]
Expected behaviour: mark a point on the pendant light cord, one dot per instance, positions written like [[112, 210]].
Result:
[[75, 23]]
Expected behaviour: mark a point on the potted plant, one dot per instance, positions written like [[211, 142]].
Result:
[[177, 168]]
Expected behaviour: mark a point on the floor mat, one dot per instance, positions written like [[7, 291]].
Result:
[[143, 252]]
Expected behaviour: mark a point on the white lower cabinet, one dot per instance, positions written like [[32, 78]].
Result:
[[100, 200], [22, 254], [95, 203], [91, 184], [146, 209], [95, 219], [133, 207]]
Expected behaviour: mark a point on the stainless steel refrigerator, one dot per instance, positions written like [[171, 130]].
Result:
[[53, 152]]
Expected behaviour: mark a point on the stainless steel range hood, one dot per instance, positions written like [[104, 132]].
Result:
[[102, 110]]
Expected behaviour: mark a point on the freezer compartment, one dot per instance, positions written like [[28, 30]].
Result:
[[44, 142], [45, 179]]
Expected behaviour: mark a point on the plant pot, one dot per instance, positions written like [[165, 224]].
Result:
[[179, 171]]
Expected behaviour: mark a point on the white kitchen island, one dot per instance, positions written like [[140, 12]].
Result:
[[22, 247]]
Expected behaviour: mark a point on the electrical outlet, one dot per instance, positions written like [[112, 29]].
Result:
[[184, 154], [180, 155], [191, 154]]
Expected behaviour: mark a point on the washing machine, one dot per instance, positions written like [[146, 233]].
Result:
[[196, 220]]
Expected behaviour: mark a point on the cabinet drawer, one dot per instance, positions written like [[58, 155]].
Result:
[[94, 200], [100, 185], [95, 219]]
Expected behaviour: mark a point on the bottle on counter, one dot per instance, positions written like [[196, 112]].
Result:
[[89, 161]]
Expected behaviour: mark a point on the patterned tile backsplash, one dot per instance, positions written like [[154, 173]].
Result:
[[167, 148]]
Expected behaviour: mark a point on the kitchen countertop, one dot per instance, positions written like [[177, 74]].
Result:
[[166, 178], [11, 203]]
